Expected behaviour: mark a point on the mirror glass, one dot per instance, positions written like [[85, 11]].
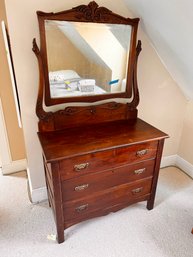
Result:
[[86, 58]]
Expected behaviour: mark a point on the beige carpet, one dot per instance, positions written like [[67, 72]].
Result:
[[132, 232]]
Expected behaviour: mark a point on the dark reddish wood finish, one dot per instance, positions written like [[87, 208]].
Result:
[[74, 116], [99, 158], [105, 199], [106, 210], [113, 152], [150, 202], [95, 138], [87, 13], [99, 181]]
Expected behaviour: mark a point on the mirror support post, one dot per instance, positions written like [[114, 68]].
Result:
[[135, 101], [42, 115]]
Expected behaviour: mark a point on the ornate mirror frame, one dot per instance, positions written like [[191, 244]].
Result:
[[84, 13]]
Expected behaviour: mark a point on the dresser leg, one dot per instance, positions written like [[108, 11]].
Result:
[[60, 236], [150, 203]]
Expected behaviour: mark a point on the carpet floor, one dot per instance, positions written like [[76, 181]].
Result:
[[132, 232]]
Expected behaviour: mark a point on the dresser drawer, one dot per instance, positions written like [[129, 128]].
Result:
[[81, 208], [95, 182], [104, 160]]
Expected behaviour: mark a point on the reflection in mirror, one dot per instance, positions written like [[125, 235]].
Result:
[[86, 58]]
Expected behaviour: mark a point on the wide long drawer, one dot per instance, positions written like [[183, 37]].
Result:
[[81, 208], [95, 182], [102, 160]]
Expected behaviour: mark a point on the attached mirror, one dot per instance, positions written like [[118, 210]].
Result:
[[88, 54], [86, 58]]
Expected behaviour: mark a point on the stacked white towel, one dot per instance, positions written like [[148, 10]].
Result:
[[87, 85]]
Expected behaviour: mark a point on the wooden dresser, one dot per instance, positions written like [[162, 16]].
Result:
[[98, 157], [94, 170]]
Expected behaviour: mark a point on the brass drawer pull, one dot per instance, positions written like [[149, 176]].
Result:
[[137, 190], [142, 152], [81, 166], [80, 188], [139, 171], [82, 208]]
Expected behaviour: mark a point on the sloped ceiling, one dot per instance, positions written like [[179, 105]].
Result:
[[169, 26]]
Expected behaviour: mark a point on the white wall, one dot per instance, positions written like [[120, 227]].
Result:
[[169, 26], [186, 142], [161, 104]]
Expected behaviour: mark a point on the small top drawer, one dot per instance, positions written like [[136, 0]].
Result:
[[103, 160]]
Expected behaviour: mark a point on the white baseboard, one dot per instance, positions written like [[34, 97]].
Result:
[[185, 166], [176, 160], [14, 166], [168, 161], [39, 195]]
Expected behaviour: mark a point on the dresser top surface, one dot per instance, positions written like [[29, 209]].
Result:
[[71, 142]]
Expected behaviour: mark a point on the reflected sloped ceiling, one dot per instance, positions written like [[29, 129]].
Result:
[[169, 26], [77, 40]]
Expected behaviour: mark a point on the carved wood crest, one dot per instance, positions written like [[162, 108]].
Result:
[[92, 12]]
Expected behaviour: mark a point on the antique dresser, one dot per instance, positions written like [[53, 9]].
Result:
[[98, 157]]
